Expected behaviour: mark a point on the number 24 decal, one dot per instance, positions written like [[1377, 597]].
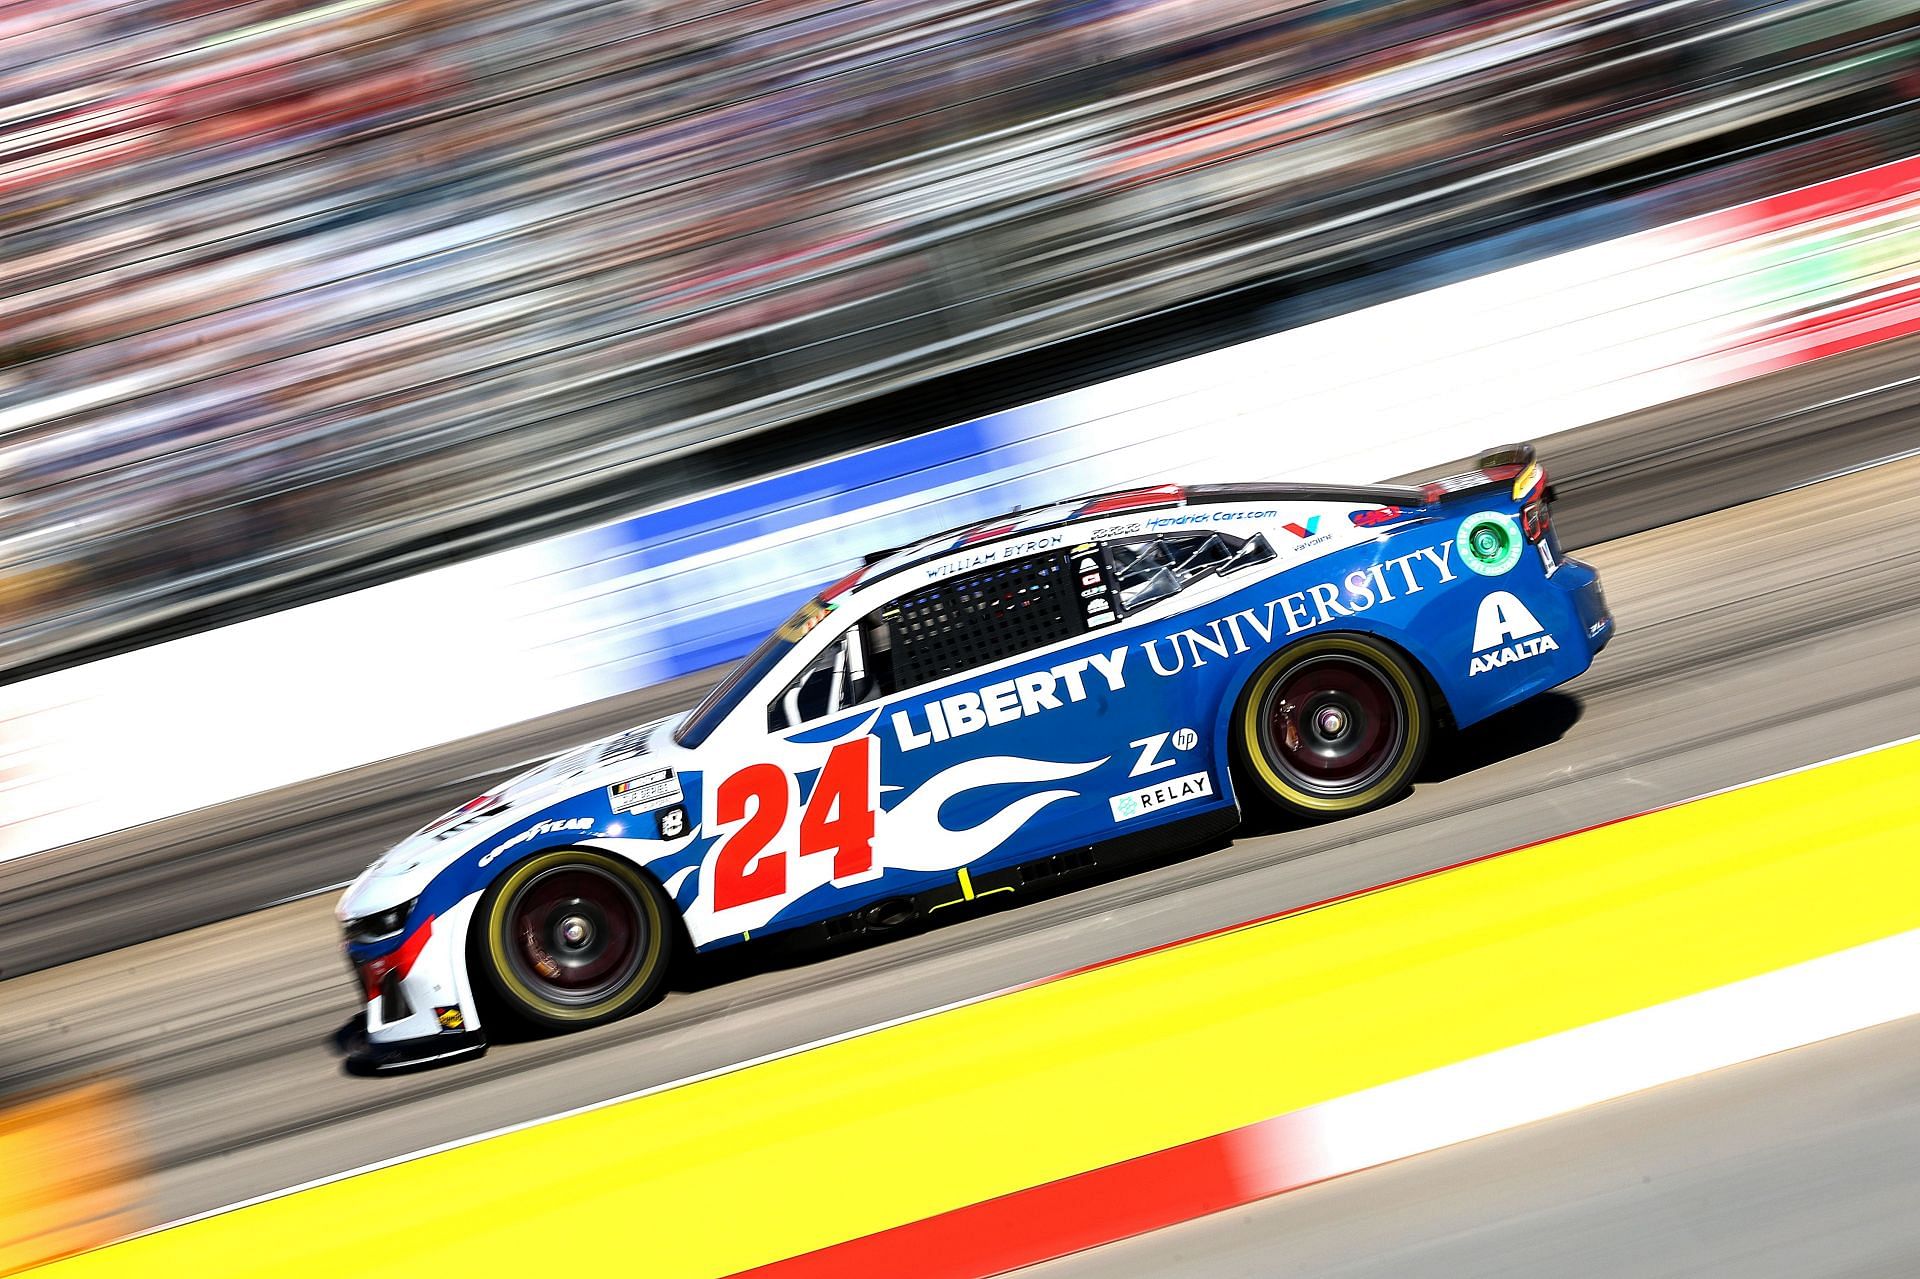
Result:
[[754, 805]]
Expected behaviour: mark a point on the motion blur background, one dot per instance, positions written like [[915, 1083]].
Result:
[[303, 298], [302, 295]]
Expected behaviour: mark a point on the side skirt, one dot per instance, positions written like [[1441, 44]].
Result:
[[1042, 872]]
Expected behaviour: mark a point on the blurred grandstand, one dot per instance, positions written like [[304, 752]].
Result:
[[297, 287]]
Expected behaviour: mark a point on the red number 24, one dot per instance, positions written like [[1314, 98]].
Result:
[[838, 819]]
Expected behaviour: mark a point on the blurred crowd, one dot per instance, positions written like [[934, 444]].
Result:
[[289, 283]]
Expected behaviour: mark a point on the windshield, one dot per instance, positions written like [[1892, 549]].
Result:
[[724, 696]]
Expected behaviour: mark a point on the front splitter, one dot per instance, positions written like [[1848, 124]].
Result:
[[366, 1057]]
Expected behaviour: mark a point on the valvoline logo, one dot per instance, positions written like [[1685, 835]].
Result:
[[1311, 527], [1377, 517]]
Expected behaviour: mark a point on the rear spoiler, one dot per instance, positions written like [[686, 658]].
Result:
[[1512, 469]]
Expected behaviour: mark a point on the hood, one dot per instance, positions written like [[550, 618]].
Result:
[[403, 872]]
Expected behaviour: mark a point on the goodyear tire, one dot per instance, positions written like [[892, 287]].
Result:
[[1334, 725], [571, 938]]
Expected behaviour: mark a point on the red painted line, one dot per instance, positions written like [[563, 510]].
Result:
[[1033, 1225], [1086, 1210]]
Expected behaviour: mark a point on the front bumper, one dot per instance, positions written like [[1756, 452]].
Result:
[[419, 1007], [366, 1057]]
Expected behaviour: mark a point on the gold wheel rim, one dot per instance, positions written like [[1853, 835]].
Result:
[[1253, 710], [502, 962]]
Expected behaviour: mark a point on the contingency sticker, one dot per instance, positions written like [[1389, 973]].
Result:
[[646, 792]]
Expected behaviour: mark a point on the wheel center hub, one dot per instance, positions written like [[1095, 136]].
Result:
[[574, 932], [1331, 722]]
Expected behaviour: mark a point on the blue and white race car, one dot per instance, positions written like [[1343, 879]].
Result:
[[989, 709]]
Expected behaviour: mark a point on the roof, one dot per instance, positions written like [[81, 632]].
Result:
[[1095, 505], [1513, 462], [1017, 520]]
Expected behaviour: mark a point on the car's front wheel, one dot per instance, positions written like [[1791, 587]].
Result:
[[1334, 725], [572, 938]]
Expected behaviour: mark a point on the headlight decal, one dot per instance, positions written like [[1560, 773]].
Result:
[[399, 962], [385, 925]]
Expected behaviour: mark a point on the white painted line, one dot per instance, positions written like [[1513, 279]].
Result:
[[1819, 999], [303, 894], [1902, 456]]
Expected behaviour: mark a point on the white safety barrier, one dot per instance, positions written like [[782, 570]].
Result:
[[1521, 353]]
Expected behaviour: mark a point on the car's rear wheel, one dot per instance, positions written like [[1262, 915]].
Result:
[[1334, 725], [572, 938]]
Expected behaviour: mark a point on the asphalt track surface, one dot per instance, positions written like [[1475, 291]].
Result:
[[1802, 1163], [1761, 634]]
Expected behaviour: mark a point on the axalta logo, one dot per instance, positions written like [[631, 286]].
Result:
[[958, 714], [1375, 518], [1506, 632], [538, 829]]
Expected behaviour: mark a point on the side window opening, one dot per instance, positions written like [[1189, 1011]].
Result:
[[1143, 571], [1147, 570], [838, 678], [1253, 550], [1201, 556]]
